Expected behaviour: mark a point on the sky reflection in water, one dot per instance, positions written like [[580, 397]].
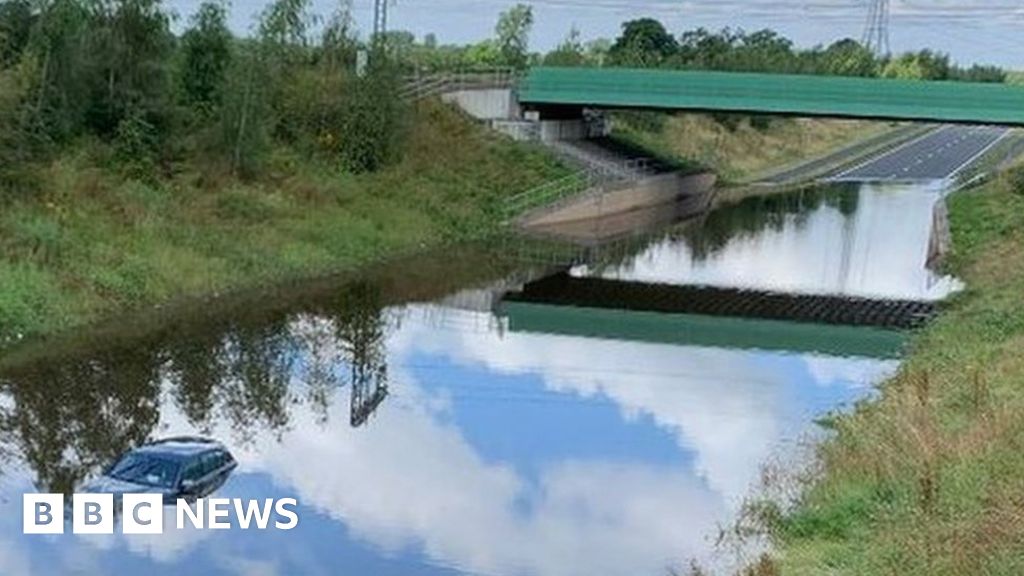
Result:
[[497, 451], [872, 244]]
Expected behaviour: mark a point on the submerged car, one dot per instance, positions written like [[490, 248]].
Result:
[[180, 467]]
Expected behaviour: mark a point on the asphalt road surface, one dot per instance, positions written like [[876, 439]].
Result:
[[938, 155]]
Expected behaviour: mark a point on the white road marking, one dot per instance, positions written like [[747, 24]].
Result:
[[869, 161], [974, 158]]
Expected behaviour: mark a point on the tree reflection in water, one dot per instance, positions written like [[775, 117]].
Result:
[[361, 330], [67, 418]]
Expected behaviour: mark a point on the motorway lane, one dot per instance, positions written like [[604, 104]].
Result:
[[937, 155]]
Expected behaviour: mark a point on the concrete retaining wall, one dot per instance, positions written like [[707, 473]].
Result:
[[557, 130], [651, 191], [485, 104], [522, 130]]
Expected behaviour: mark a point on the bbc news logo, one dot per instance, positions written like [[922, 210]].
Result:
[[144, 513]]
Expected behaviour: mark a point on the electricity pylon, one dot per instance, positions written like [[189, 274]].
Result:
[[876, 30], [380, 18]]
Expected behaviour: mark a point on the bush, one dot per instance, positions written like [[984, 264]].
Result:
[[136, 145], [372, 123], [18, 145], [28, 300], [38, 236], [643, 121], [1014, 180], [207, 54]]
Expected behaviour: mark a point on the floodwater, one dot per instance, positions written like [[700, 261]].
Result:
[[872, 244], [427, 427]]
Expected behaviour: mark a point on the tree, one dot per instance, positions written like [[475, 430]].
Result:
[[338, 43], [130, 44], [56, 103], [207, 54], [513, 35], [283, 53], [763, 51], [703, 49], [849, 58], [245, 117], [595, 52], [568, 53], [485, 53], [979, 73], [372, 119], [16, 22], [923, 65], [643, 42]]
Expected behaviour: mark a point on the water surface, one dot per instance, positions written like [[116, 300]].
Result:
[[426, 428]]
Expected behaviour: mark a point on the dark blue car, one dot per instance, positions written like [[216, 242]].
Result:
[[180, 467]]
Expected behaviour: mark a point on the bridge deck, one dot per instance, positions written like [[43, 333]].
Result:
[[565, 290], [802, 95]]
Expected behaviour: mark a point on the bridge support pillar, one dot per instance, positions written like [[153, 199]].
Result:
[[559, 123]]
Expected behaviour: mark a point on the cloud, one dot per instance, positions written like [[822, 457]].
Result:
[[412, 482]]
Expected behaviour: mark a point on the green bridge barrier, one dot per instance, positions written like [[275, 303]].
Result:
[[705, 331], [800, 95]]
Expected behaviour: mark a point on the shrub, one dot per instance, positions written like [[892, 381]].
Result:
[[373, 123], [28, 300], [1014, 180]]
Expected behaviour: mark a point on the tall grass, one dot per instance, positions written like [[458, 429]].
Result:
[[95, 240], [737, 148], [929, 478]]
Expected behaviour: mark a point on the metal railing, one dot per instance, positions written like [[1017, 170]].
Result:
[[419, 86], [596, 179], [548, 193]]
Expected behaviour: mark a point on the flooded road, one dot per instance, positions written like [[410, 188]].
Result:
[[426, 426], [872, 244]]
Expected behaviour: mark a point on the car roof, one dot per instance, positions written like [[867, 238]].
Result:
[[180, 448]]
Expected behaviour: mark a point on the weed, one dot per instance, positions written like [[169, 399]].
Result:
[[100, 240], [926, 479]]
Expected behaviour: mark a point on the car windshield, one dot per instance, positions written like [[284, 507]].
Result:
[[143, 469]]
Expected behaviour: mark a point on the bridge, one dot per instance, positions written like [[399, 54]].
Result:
[[563, 91], [563, 289], [703, 330], [709, 316]]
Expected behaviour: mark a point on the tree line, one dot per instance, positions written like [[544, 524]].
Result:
[[647, 43], [113, 71]]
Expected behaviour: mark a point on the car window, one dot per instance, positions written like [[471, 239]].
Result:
[[145, 469], [210, 462], [193, 471]]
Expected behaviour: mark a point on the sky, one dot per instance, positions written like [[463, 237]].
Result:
[[972, 31]]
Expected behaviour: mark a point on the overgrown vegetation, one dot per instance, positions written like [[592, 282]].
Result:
[[112, 71], [92, 240], [739, 148], [138, 166], [927, 478]]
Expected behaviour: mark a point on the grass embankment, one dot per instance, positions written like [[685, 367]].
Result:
[[737, 150], [95, 241], [929, 478]]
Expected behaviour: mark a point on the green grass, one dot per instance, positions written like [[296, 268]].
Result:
[[93, 242], [742, 152], [929, 478]]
